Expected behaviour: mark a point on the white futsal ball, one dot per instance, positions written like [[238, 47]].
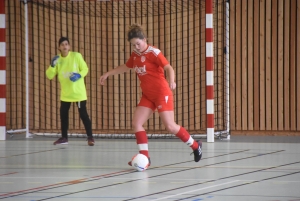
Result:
[[140, 162]]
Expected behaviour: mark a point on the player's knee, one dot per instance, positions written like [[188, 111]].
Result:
[[83, 114], [172, 128], [135, 124]]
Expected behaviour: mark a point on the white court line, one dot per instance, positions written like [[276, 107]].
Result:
[[196, 190]]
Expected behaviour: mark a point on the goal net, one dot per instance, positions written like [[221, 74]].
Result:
[[97, 29]]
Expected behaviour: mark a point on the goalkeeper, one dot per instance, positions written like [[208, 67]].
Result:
[[70, 69]]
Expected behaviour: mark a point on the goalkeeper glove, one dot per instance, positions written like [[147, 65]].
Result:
[[75, 76], [54, 60]]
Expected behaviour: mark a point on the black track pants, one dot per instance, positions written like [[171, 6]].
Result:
[[64, 117]]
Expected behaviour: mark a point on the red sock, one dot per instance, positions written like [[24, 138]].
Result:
[[142, 142], [186, 138]]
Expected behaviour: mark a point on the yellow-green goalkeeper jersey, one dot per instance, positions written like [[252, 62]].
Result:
[[65, 66]]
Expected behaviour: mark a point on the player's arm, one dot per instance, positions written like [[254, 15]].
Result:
[[52, 70], [162, 61], [170, 75], [118, 70], [83, 68]]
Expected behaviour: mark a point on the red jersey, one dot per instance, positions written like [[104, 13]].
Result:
[[149, 66]]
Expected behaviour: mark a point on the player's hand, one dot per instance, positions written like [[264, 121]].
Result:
[[172, 85], [103, 78], [54, 61], [75, 76]]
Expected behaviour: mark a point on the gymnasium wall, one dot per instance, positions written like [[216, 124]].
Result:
[[265, 67], [264, 42]]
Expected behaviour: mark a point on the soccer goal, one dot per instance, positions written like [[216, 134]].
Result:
[[192, 34]]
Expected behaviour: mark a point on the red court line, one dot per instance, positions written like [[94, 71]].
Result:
[[36, 152], [105, 175], [8, 173], [67, 182]]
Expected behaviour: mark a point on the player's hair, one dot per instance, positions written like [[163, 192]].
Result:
[[136, 31], [62, 39]]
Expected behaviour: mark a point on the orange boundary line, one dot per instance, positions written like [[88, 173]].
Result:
[[68, 182]]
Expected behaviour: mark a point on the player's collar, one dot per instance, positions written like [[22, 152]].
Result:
[[145, 51]]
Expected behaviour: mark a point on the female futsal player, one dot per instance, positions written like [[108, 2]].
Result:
[[149, 64]]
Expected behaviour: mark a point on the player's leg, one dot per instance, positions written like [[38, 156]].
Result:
[[141, 115], [86, 121], [166, 113], [167, 118], [64, 120]]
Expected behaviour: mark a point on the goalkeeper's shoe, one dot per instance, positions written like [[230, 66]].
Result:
[[61, 140], [130, 164], [91, 141], [198, 152]]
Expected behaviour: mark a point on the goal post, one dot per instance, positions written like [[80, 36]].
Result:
[[2, 71], [209, 66], [191, 34]]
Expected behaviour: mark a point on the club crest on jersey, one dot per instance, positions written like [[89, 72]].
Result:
[[143, 58], [140, 70]]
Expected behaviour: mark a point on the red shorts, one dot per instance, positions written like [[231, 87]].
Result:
[[162, 103]]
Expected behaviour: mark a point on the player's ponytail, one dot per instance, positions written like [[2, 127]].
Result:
[[136, 31]]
